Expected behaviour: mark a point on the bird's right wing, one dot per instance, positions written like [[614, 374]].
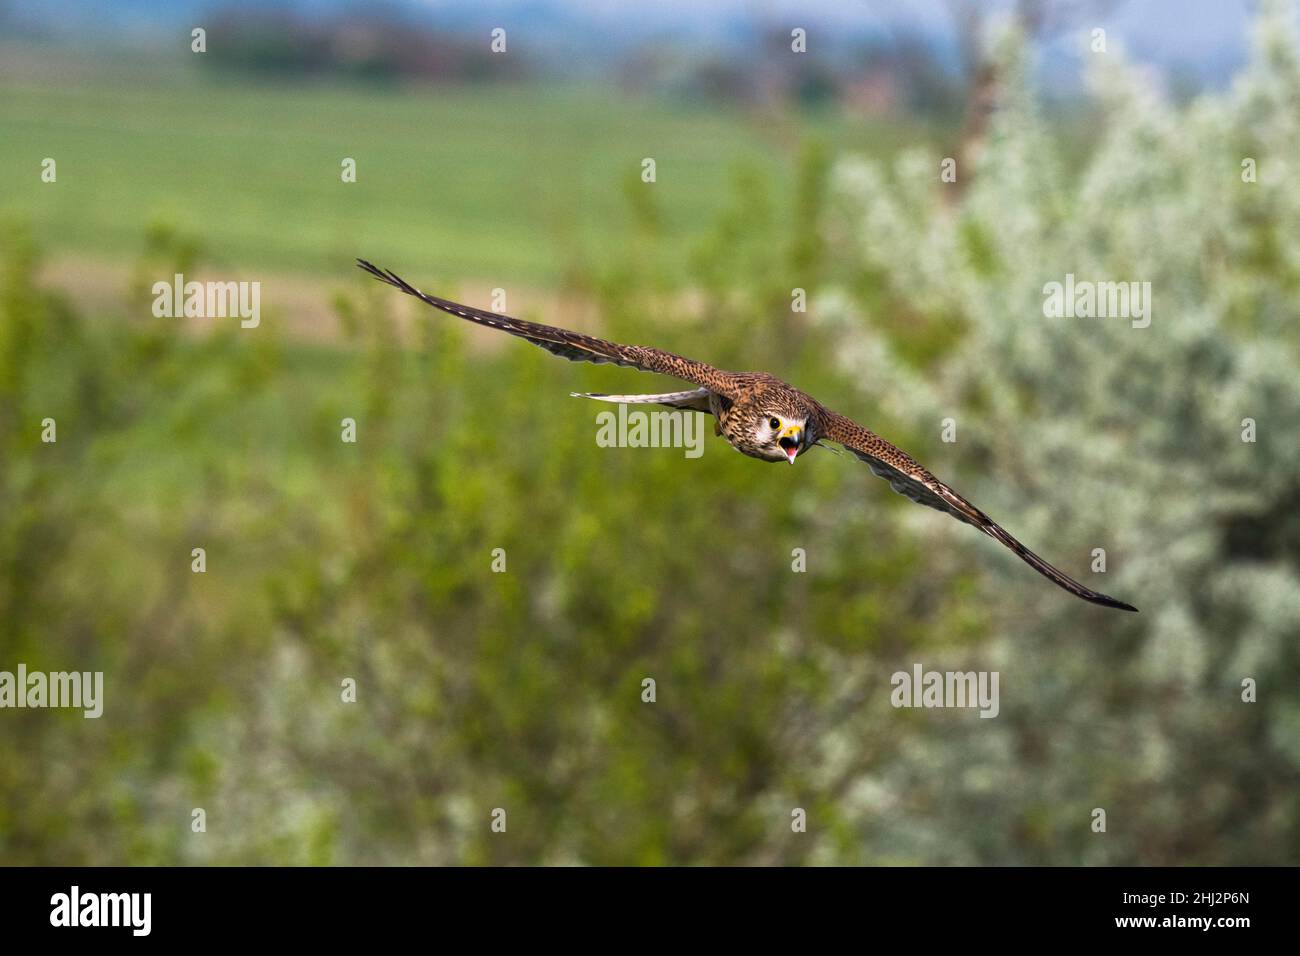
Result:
[[574, 346], [906, 476]]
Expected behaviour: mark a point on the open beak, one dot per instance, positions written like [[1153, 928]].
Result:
[[791, 440]]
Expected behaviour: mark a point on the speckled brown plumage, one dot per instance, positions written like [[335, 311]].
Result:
[[760, 415]]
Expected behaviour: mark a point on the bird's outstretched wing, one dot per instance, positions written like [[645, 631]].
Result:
[[574, 346], [908, 478]]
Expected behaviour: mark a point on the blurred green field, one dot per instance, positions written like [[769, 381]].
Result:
[[519, 184]]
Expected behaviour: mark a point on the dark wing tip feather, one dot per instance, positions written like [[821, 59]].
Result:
[[1107, 601], [1054, 574], [374, 270], [389, 277]]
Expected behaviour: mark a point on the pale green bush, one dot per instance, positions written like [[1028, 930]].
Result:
[[1083, 433]]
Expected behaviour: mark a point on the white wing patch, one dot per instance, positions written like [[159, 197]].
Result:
[[696, 398]]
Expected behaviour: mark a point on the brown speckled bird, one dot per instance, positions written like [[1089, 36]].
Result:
[[760, 415]]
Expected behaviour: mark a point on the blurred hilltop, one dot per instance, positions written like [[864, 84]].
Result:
[[917, 51]]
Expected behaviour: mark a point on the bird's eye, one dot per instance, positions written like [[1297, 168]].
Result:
[[774, 423]]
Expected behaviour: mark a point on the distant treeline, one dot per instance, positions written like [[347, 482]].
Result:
[[773, 67], [377, 45]]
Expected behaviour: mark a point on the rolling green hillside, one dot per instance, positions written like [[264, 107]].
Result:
[[487, 182]]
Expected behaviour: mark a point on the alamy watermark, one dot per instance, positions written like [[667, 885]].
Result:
[[1098, 300], [75, 908], [208, 300], [939, 689], [639, 428], [83, 690]]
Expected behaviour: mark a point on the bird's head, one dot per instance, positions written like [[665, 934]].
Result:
[[781, 434]]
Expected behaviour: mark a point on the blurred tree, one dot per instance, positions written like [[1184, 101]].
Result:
[[1101, 434]]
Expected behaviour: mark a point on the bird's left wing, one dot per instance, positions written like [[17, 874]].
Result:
[[574, 346], [906, 476]]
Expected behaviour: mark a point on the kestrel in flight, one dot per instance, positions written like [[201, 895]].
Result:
[[760, 415]]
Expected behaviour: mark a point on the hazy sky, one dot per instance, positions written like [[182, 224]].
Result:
[[1204, 38]]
